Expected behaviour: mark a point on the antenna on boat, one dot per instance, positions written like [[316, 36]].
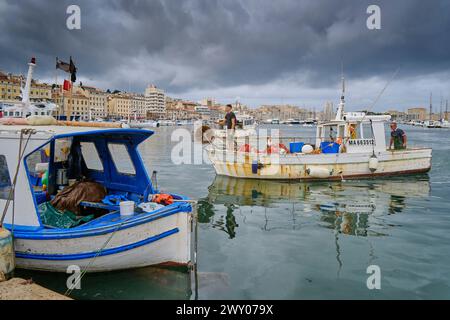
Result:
[[340, 111], [381, 92]]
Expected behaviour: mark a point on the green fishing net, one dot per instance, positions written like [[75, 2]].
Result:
[[53, 218]]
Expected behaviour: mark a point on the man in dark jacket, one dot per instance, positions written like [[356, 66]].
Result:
[[398, 137]]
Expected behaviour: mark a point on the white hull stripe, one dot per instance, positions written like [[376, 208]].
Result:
[[87, 255]]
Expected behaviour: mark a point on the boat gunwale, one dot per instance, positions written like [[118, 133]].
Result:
[[82, 231], [338, 178]]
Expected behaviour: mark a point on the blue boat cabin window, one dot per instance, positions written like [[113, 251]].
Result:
[[121, 158], [91, 156], [5, 180]]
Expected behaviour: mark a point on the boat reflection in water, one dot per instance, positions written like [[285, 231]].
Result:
[[151, 283], [349, 207]]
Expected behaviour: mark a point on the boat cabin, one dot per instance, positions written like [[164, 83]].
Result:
[[35, 109], [59, 156], [355, 133]]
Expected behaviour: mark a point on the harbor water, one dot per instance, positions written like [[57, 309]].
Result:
[[297, 240]]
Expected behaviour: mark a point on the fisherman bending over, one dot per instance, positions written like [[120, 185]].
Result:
[[398, 137]]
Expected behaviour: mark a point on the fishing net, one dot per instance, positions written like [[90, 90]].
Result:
[[53, 218]]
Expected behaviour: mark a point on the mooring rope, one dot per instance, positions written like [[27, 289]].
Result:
[[91, 262]]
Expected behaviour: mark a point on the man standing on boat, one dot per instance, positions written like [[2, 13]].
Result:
[[230, 123], [398, 137]]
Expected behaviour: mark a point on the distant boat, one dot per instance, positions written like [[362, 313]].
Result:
[[164, 123], [432, 124], [144, 124]]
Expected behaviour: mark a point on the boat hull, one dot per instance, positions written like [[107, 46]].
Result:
[[320, 166], [166, 240]]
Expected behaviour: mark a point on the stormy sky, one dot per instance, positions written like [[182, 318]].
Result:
[[257, 51]]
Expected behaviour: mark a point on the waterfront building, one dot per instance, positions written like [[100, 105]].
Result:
[[203, 111], [119, 105], [209, 102], [328, 112], [155, 102], [282, 112], [72, 104], [138, 106], [178, 109], [10, 89], [98, 102]]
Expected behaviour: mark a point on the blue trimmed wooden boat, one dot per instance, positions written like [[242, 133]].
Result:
[[109, 241]]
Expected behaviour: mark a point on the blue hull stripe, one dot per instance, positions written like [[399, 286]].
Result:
[[87, 255]]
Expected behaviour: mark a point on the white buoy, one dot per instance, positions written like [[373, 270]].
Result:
[[7, 261], [373, 163], [307, 148], [318, 172]]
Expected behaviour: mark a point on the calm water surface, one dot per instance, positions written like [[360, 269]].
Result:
[[273, 240]]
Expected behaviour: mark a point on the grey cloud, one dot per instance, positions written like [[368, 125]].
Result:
[[194, 47]]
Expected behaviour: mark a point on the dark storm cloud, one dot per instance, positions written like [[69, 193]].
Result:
[[211, 45]]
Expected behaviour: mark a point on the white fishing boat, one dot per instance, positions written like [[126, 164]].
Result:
[[349, 147], [127, 228], [144, 124], [445, 124]]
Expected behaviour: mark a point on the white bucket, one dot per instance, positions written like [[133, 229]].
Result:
[[127, 208]]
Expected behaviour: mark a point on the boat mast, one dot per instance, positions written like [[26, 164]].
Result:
[[446, 110], [431, 105], [340, 111]]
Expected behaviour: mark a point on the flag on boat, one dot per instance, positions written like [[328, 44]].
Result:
[[64, 66], [67, 67], [67, 85], [73, 71]]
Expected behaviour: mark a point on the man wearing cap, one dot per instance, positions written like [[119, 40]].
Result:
[[398, 137]]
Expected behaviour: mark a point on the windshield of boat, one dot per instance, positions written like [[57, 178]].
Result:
[[367, 130], [121, 158], [330, 132], [90, 156]]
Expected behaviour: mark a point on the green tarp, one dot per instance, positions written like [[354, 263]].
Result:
[[53, 218]]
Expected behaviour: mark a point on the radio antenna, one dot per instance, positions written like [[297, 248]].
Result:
[[381, 92]]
